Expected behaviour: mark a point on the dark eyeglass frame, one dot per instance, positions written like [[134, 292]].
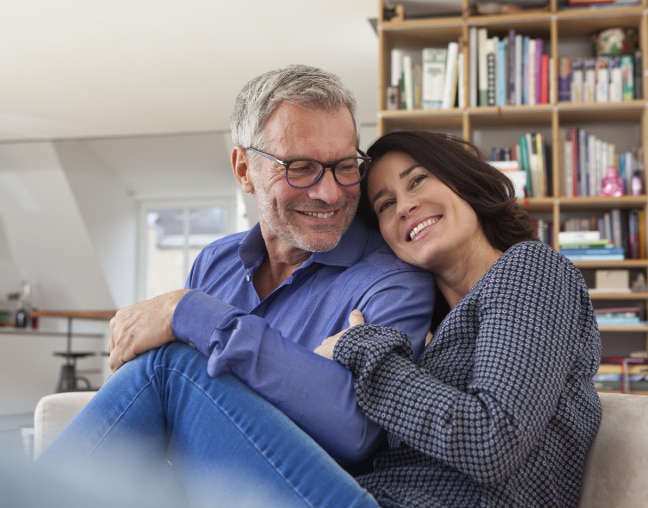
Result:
[[363, 156]]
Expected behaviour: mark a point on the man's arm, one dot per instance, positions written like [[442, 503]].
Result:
[[313, 391]]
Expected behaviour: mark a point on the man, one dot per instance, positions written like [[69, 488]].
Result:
[[258, 303]]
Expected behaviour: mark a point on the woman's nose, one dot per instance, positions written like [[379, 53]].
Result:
[[407, 209]]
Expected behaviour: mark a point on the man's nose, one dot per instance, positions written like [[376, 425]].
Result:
[[326, 189]]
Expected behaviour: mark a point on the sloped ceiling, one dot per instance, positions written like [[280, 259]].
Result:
[[104, 68]]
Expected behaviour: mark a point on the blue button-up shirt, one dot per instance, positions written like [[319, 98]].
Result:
[[269, 343]]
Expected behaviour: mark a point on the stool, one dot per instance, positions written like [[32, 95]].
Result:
[[68, 379]]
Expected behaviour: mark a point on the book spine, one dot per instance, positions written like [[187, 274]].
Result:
[[538, 70], [450, 83], [511, 52], [501, 66], [564, 79], [482, 67], [491, 78], [434, 63], [472, 64], [519, 43], [531, 70], [589, 83], [602, 93], [638, 75], [544, 79], [577, 80], [627, 78], [616, 80]]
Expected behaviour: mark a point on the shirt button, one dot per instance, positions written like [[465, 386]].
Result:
[[247, 277]]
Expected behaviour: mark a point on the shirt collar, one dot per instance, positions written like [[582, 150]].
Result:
[[351, 247]]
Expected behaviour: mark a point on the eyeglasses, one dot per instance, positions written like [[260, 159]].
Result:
[[304, 173]]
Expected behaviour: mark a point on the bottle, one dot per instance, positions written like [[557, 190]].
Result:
[[23, 312], [22, 318]]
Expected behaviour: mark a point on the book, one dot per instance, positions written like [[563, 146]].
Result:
[[532, 153], [501, 64], [638, 74], [519, 47], [564, 79], [594, 251], [615, 90], [482, 67], [472, 64], [491, 79], [511, 65], [531, 72], [542, 161], [577, 79], [408, 83], [593, 257], [523, 158], [450, 83], [434, 65], [627, 77], [544, 79], [511, 168], [461, 81], [602, 79], [578, 236], [539, 43], [589, 79]]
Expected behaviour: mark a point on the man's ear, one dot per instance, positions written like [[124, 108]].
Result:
[[241, 169]]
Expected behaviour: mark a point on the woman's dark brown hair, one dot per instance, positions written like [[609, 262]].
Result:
[[459, 165]]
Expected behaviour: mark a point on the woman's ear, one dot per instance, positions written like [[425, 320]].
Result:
[[241, 169]]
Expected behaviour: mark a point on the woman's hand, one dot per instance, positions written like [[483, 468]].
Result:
[[325, 349]]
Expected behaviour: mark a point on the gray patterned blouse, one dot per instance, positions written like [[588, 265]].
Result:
[[500, 409]]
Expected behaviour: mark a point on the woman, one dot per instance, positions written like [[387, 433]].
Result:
[[500, 409]]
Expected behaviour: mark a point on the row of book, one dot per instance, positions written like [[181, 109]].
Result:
[[528, 164], [586, 159], [426, 78], [600, 79], [616, 316], [510, 70], [614, 235], [622, 374], [507, 70]]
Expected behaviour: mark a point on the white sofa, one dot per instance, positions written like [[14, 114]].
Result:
[[616, 470]]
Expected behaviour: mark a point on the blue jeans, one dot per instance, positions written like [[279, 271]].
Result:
[[227, 445]]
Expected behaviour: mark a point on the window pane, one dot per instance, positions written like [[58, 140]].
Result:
[[175, 236]]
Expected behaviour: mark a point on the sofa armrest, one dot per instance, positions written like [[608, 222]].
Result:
[[53, 412], [617, 461]]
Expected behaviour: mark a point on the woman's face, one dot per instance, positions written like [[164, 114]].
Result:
[[424, 222]]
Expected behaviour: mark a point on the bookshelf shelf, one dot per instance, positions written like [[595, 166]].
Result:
[[624, 328], [623, 124]]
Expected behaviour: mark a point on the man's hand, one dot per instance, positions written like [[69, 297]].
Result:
[[140, 327], [326, 347]]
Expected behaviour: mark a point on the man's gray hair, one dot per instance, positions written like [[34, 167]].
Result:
[[297, 84]]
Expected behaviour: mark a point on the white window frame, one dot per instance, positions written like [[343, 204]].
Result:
[[146, 206]]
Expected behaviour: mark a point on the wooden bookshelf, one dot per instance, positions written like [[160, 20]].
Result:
[[624, 124]]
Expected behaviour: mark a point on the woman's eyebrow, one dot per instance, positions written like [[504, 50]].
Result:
[[401, 175]]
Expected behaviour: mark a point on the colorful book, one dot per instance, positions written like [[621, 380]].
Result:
[[564, 79]]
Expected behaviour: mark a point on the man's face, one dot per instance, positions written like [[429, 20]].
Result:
[[315, 218]]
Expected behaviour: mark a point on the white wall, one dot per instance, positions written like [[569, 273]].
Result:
[[68, 224]]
